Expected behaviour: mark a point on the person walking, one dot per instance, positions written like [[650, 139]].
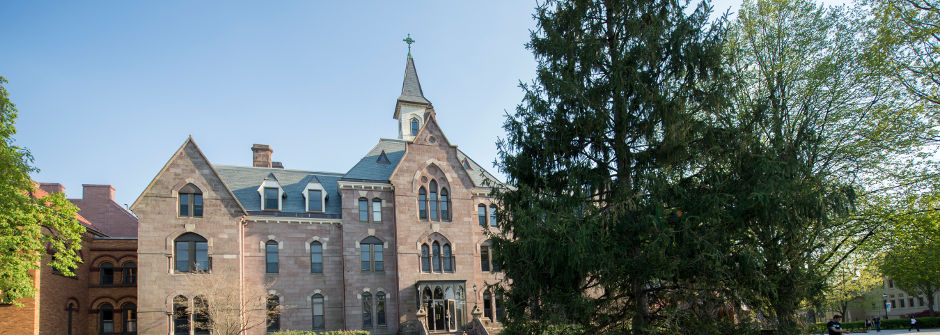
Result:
[[914, 324], [867, 324], [878, 324], [835, 326]]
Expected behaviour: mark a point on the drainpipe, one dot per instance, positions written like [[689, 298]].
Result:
[[342, 259]]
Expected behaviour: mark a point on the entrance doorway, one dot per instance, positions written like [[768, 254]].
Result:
[[445, 303]]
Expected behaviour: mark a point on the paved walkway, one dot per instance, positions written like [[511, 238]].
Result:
[[932, 331]]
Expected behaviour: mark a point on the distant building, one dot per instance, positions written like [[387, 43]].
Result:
[[902, 303], [102, 296], [403, 229]]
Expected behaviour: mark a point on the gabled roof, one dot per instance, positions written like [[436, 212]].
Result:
[[245, 181], [39, 193], [476, 172], [370, 168]]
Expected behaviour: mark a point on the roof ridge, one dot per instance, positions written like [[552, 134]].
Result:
[[277, 169]]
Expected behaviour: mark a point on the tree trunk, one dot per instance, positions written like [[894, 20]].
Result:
[[641, 317], [786, 322]]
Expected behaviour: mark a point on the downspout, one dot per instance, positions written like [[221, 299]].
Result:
[[241, 271], [342, 258], [397, 275]]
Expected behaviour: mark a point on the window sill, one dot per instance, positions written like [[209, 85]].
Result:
[[111, 285]]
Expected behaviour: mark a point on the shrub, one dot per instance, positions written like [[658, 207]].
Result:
[[902, 323], [331, 332]]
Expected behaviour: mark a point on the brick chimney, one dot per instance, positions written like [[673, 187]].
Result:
[[97, 192], [261, 155], [52, 188]]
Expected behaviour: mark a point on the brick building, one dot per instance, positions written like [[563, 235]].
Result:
[[102, 296], [398, 240]]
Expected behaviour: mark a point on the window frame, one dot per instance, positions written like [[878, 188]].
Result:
[[422, 204], [190, 196], [376, 210], [104, 268], [481, 215], [380, 309], [268, 252], [425, 258], [272, 319], [129, 324], [313, 309], [102, 309], [494, 222], [433, 201], [447, 258], [436, 257], [485, 258], [415, 126], [319, 253], [315, 199], [180, 315], [192, 241], [445, 205], [129, 273], [265, 199], [363, 210], [371, 249], [367, 322]]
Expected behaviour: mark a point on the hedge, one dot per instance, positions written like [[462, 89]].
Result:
[[332, 332], [905, 323]]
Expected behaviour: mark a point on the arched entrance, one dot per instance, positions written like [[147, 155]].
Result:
[[445, 303]]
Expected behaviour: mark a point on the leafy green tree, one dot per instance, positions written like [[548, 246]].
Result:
[[912, 259], [602, 154], [852, 283], [30, 226], [906, 45]]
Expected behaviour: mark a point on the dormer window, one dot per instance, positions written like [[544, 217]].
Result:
[[271, 194], [270, 199], [316, 196], [414, 126]]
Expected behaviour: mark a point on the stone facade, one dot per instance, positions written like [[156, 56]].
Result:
[[262, 222]]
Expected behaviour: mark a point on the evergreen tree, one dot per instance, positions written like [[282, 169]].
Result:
[[604, 225]]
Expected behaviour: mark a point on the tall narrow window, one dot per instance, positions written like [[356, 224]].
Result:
[[316, 257], [493, 222], [380, 309], [481, 214], [71, 308], [493, 263], [433, 200], [106, 319], [448, 261], [201, 320], [270, 256], [130, 273], [498, 301], [190, 200], [485, 258], [106, 274], [180, 315], [414, 127], [371, 255], [129, 313], [487, 306], [274, 313], [366, 310], [376, 210], [314, 200], [363, 209], [422, 204], [436, 256], [270, 199], [445, 205], [318, 320], [425, 258], [192, 253]]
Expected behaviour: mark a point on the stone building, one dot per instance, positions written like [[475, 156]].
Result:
[[101, 297], [398, 240]]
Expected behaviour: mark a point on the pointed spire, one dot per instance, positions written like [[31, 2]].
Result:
[[411, 87]]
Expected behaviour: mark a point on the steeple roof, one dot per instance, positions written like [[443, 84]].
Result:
[[411, 87]]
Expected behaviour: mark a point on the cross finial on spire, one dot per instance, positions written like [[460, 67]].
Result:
[[409, 40]]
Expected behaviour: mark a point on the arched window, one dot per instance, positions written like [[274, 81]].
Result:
[[129, 314], [380, 309], [180, 315], [498, 301], [130, 273], [436, 256], [414, 126], [274, 313], [366, 310], [270, 256], [425, 258], [376, 210], [432, 200], [422, 204], [70, 308], [445, 205], [316, 257], [201, 320], [371, 254], [481, 214], [448, 260], [493, 222], [363, 209], [190, 199], [319, 322], [106, 319], [487, 307], [106, 275], [192, 253]]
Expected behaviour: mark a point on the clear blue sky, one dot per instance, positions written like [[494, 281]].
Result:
[[108, 90]]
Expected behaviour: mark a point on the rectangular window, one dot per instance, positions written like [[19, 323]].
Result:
[[377, 252], [376, 210], [318, 321], [380, 310], [184, 204], [493, 222], [481, 215], [270, 198], [366, 310], [911, 302], [493, 264], [271, 257], [485, 258], [902, 303], [920, 300], [364, 257], [314, 200], [316, 258], [197, 205], [182, 256], [363, 210], [202, 256]]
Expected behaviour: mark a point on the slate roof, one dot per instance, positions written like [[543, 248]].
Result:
[[411, 87], [370, 168], [477, 173], [245, 181]]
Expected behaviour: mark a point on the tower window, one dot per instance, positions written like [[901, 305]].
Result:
[[414, 127]]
